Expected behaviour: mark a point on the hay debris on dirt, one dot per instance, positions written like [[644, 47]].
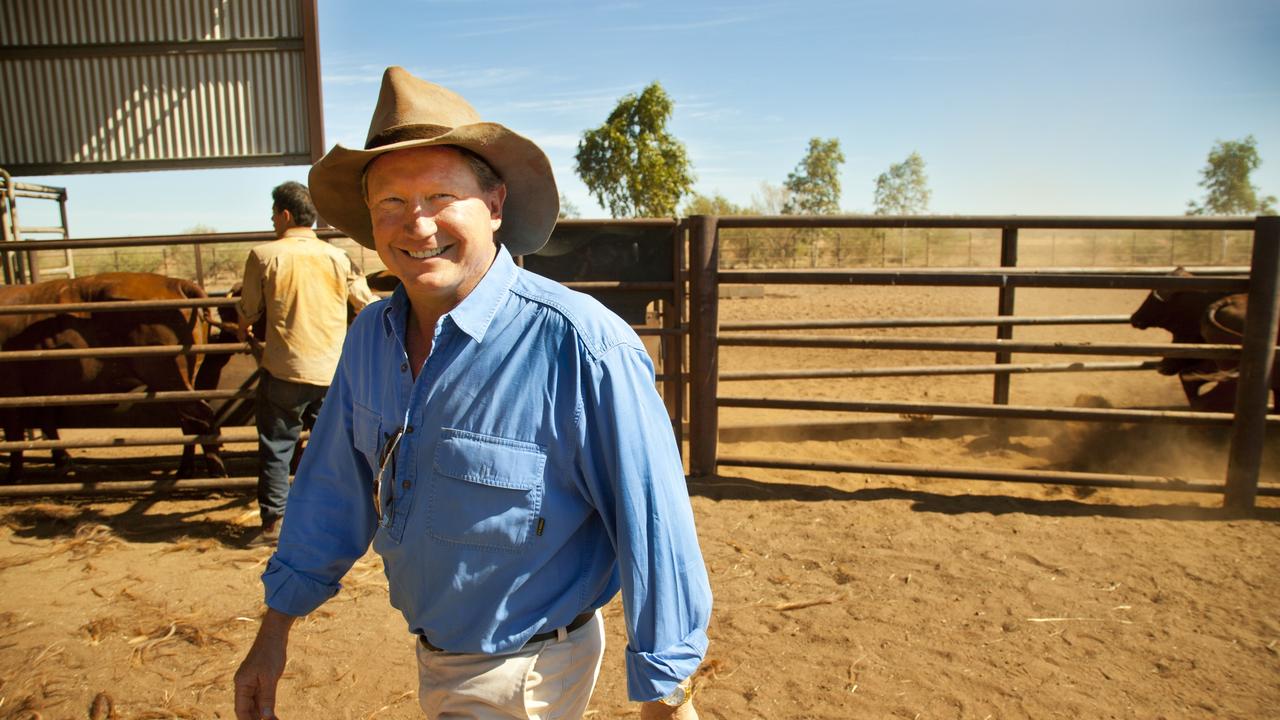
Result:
[[180, 630], [98, 629], [801, 604], [202, 545], [33, 693], [20, 560], [89, 540], [1078, 619], [394, 701]]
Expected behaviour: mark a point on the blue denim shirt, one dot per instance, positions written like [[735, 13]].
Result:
[[536, 477]]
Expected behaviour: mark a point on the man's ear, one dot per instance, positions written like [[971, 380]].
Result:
[[496, 200], [288, 218]]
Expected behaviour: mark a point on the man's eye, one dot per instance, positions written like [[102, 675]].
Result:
[[390, 203]]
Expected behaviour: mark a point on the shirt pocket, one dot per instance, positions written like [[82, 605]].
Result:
[[487, 491], [366, 426]]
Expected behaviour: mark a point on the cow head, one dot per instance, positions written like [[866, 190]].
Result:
[[1161, 308]]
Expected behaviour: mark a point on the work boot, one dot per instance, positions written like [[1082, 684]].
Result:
[[267, 536]]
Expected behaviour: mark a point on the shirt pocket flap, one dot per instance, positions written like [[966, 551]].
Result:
[[487, 460], [365, 425]]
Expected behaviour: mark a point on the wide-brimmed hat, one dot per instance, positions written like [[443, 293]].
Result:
[[413, 113]]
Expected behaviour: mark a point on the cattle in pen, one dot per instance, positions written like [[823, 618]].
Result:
[[1201, 317], [83, 330]]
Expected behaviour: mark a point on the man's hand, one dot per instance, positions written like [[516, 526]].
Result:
[[260, 672], [242, 332], [655, 710]]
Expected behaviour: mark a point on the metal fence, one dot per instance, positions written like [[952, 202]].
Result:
[[1255, 357], [650, 282], [688, 291]]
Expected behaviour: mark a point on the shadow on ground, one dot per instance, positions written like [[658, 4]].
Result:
[[732, 487], [140, 522]]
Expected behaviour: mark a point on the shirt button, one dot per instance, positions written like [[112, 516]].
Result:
[[404, 367], [405, 484], [409, 429]]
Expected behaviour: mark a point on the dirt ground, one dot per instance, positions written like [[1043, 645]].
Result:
[[837, 595]]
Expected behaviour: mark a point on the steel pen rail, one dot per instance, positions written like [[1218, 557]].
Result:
[[1256, 354]]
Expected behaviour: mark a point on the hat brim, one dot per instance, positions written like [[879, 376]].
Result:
[[528, 215]]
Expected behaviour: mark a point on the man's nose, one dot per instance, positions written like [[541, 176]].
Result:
[[422, 222]]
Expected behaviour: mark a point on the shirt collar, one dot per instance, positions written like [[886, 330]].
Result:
[[302, 232], [476, 311]]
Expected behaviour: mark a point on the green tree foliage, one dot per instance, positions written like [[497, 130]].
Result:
[[904, 188], [1226, 181], [814, 185], [717, 204], [631, 163]]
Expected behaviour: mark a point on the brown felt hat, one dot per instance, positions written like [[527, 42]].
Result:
[[415, 113]]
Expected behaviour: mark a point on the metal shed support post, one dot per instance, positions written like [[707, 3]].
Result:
[[1257, 357], [704, 295]]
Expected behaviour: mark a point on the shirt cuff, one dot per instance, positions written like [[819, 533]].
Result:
[[652, 676], [293, 593]]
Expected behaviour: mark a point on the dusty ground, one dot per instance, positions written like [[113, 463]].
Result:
[[837, 596]]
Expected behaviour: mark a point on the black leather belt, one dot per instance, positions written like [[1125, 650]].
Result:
[[574, 624]]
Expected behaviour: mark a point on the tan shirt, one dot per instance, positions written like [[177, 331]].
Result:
[[303, 285]]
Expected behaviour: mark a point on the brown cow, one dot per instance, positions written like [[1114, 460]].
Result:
[[93, 375], [1201, 317]]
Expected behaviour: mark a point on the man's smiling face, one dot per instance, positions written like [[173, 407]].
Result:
[[433, 223]]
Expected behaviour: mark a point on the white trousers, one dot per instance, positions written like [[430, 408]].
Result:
[[548, 680]]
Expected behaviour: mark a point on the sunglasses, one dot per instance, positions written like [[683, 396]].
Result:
[[385, 458]]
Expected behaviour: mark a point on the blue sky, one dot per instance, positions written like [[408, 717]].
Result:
[[1026, 107]]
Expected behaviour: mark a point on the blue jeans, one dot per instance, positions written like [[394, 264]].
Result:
[[283, 409]]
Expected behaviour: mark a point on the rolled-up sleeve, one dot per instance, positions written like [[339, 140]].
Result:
[[632, 472], [249, 306], [330, 521], [358, 293]]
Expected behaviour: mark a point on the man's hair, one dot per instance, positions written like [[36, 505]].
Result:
[[294, 197], [486, 176]]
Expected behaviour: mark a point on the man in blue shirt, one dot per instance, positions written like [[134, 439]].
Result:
[[496, 436]]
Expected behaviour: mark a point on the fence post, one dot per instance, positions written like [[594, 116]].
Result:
[[704, 297], [1257, 357], [673, 345], [195, 248], [1008, 258]]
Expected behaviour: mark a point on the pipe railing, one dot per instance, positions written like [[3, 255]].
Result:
[[865, 323], [1002, 278], [937, 370], [124, 352], [1018, 412], [1204, 351], [996, 222], [224, 436], [671, 334], [116, 306], [174, 396], [1256, 354], [704, 277]]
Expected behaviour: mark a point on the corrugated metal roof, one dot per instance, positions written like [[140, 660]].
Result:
[[117, 85]]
